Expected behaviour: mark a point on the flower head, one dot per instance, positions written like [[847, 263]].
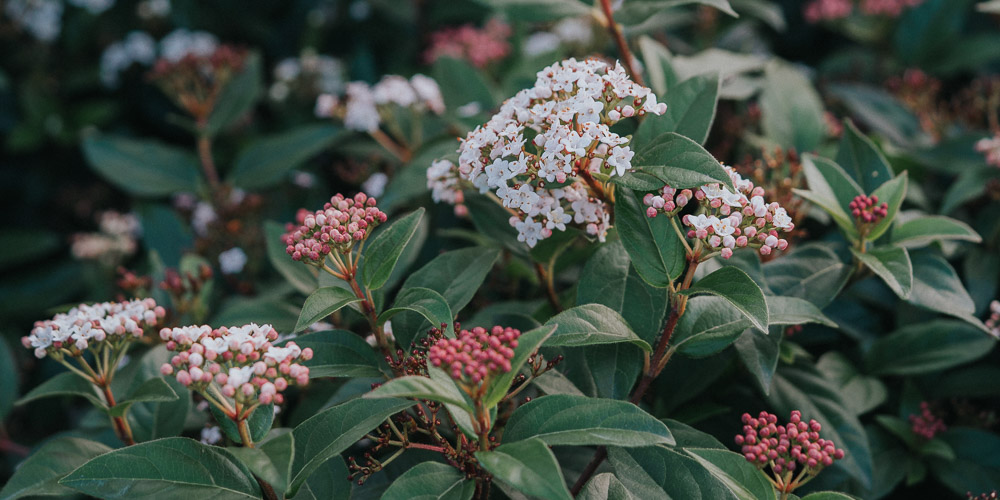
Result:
[[867, 210], [475, 354], [92, 325], [926, 424], [338, 226], [786, 448], [990, 148]]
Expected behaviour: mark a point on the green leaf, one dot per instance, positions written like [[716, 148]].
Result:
[[732, 470], [527, 466], [655, 249], [976, 466], [27, 245], [142, 167], [605, 486], [922, 231], [154, 390], [860, 392], [64, 384], [738, 289], [759, 354], [892, 193], [563, 419], [492, 222], [828, 495], [40, 473], [679, 162], [927, 347], [267, 160], [271, 459], [152, 420], [458, 92], [795, 311], [328, 482], [385, 248], [259, 423], [339, 353], [527, 344], [421, 387], [591, 324], [880, 111], [937, 287], [802, 387], [690, 111], [8, 373], [831, 189], [297, 273], [333, 430], [169, 468], [661, 472], [791, 109], [709, 325], [238, 96], [322, 303], [430, 481], [893, 265], [608, 278], [659, 69], [858, 156], [425, 302]]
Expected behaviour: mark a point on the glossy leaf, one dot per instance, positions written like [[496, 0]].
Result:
[[425, 302], [661, 472], [259, 423], [154, 390], [430, 481], [40, 473], [922, 231], [892, 193], [154, 420], [582, 421], [271, 459], [928, 347], [331, 431], [736, 287], [528, 466], [64, 384], [740, 477], [339, 353], [456, 275], [861, 393], [812, 272], [385, 247], [142, 167], [678, 161], [936, 286], [527, 344], [421, 387], [605, 486], [591, 324], [171, 468], [655, 249], [860, 158], [893, 265], [322, 303], [268, 160], [690, 111]]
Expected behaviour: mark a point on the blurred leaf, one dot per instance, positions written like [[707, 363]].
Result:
[[266, 161], [539, 10], [164, 232], [928, 347], [238, 97], [322, 303], [8, 373], [431, 481], [385, 248], [977, 461], [880, 111], [262, 310], [142, 167], [922, 231], [860, 158], [580, 421], [470, 88], [791, 110], [926, 31], [860, 392], [528, 466], [25, 245], [893, 265], [659, 69], [40, 473], [339, 353], [297, 273], [655, 249], [154, 420], [591, 324], [195, 470], [739, 290]]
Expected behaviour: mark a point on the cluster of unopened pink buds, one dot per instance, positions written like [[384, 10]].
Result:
[[475, 354], [993, 322], [93, 326], [926, 424], [479, 46], [545, 153], [992, 495], [338, 226], [236, 363], [786, 448], [867, 210], [890, 8], [827, 10], [726, 220]]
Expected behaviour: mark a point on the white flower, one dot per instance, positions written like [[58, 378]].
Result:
[[701, 221], [428, 91], [394, 89], [360, 114], [557, 219], [232, 261], [211, 435], [621, 159], [529, 231], [374, 186], [780, 219], [239, 376]]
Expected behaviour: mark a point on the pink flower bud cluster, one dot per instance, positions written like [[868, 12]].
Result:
[[827, 10], [990, 148], [727, 220], [342, 223], [786, 447], [543, 150], [479, 46], [993, 322], [926, 424], [239, 361], [993, 495], [867, 210], [88, 325], [890, 8], [475, 355]]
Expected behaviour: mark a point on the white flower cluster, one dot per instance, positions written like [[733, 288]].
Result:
[[541, 150], [180, 43], [364, 103], [990, 148], [139, 47], [42, 19], [576, 31], [116, 239], [310, 74], [86, 324], [93, 6], [232, 261], [241, 360], [725, 219], [445, 185]]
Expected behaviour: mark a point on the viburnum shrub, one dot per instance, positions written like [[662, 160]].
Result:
[[492, 250]]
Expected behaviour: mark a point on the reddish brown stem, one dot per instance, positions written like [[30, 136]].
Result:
[[207, 162], [616, 33], [546, 280], [122, 429]]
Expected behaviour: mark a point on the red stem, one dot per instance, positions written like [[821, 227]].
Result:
[[616, 33]]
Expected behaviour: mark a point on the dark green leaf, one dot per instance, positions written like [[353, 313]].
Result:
[[977, 461], [527, 466], [579, 420], [154, 390], [238, 96], [922, 231], [791, 110], [142, 167], [430, 481], [892, 193], [928, 347], [811, 272], [267, 161], [740, 477], [893, 265], [322, 303], [860, 158], [690, 112], [831, 189], [738, 289], [8, 373], [339, 353], [157, 420], [425, 302], [420, 387], [861, 393], [936, 286], [661, 472], [384, 249], [170, 468], [657, 252], [591, 324], [259, 423], [26, 245], [458, 92], [39, 475], [64, 384], [271, 459], [679, 162], [881, 111], [456, 275], [527, 344], [539, 10], [605, 486]]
